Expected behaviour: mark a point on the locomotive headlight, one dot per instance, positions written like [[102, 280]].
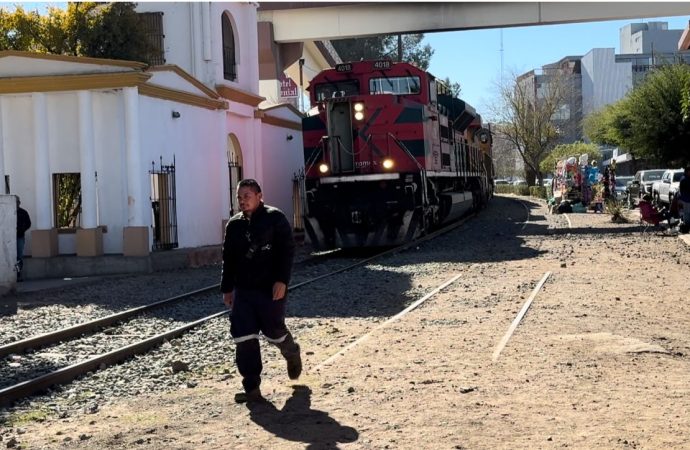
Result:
[[323, 167], [359, 115], [387, 163], [359, 107]]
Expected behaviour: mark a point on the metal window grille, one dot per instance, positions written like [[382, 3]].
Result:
[[152, 22], [234, 175], [229, 61], [298, 200], [67, 200], [164, 206]]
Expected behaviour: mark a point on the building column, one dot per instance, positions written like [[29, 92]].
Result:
[[44, 238], [136, 233], [89, 237], [255, 131], [2, 155], [225, 200]]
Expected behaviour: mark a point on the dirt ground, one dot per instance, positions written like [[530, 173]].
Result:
[[600, 360]]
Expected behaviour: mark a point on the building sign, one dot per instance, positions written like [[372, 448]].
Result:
[[288, 88]]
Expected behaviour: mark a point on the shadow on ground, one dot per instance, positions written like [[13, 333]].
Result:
[[297, 422]]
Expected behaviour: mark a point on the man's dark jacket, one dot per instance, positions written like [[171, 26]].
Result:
[[23, 222], [257, 251]]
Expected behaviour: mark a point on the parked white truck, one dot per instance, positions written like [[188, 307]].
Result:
[[665, 189]]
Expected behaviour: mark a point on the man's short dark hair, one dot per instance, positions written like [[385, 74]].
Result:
[[250, 183]]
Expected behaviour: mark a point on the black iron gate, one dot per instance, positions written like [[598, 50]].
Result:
[[298, 200], [163, 204], [235, 175]]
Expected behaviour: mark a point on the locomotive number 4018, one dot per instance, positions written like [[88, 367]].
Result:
[[378, 65]]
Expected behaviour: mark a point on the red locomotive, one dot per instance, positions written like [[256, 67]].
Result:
[[390, 154]]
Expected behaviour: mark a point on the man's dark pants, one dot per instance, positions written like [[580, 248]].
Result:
[[255, 311]]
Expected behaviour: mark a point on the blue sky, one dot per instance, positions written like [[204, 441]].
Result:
[[473, 58]]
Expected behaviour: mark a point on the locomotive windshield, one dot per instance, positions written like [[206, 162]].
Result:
[[394, 85], [334, 89]]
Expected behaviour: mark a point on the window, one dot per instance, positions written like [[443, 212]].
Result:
[[335, 89], [152, 23], [562, 113], [394, 85], [229, 60], [67, 200]]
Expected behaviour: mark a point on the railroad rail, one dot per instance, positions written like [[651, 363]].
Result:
[[66, 374]]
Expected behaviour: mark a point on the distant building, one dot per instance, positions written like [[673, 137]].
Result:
[[605, 77], [567, 71], [648, 37]]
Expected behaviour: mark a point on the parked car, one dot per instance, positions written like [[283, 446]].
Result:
[[519, 183], [621, 186], [641, 184], [665, 189], [500, 181]]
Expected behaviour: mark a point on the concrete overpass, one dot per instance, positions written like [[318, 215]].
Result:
[[308, 21]]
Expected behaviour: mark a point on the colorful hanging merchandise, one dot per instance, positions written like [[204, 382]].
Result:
[[568, 180]]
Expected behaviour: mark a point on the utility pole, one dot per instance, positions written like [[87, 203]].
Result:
[[501, 50], [301, 85]]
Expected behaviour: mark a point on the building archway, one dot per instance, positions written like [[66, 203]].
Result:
[[234, 152]]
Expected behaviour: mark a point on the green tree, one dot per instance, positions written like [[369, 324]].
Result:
[[561, 151], [385, 47], [118, 33], [454, 87], [650, 122], [659, 131], [19, 29], [104, 30], [526, 119]]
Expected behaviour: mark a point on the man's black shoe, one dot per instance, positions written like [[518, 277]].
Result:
[[294, 365], [249, 397]]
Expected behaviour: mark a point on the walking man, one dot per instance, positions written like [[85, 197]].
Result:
[[257, 263], [23, 224]]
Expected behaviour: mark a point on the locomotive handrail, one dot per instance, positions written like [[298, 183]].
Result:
[[422, 169], [409, 153], [319, 149]]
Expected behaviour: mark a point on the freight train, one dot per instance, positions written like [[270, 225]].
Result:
[[389, 154]]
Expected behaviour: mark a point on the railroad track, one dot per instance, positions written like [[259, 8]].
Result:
[[66, 374]]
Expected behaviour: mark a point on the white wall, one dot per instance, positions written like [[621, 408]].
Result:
[[246, 43], [17, 116], [282, 160], [8, 242], [604, 81], [109, 132], [193, 141], [184, 40]]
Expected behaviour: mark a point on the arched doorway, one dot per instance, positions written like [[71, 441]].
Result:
[[234, 170]]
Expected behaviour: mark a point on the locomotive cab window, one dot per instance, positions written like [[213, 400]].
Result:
[[394, 85], [336, 89]]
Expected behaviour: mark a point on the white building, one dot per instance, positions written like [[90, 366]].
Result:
[[154, 152], [648, 37], [604, 80]]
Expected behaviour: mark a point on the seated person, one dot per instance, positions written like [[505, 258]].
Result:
[[652, 215]]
